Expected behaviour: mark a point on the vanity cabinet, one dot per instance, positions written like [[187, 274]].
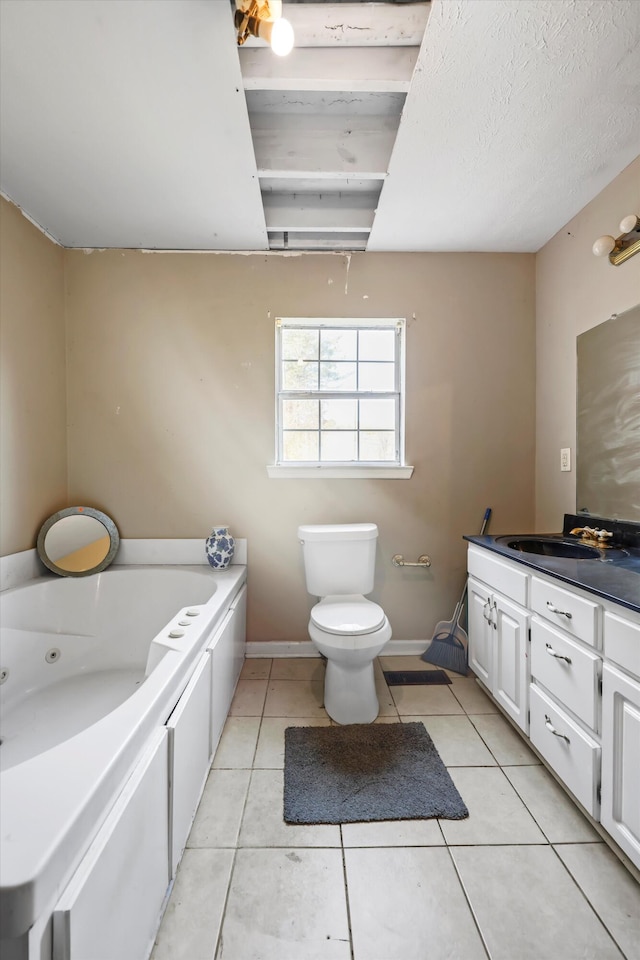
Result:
[[620, 813], [579, 658], [499, 635]]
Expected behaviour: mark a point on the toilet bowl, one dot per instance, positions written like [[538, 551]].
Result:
[[349, 630]]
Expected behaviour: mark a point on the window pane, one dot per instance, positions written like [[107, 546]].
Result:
[[377, 445], [340, 414], [377, 414], [338, 344], [337, 376], [299, 375], [377, 345], [340, 445], [301, 414], [299, 344], [376, 376], [299, 445]]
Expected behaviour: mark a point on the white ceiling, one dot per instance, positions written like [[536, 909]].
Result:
[[474, 125]]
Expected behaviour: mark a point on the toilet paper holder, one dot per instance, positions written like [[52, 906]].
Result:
[[399, 561]]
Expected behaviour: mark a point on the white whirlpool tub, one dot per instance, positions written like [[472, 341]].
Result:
[[114, 686]]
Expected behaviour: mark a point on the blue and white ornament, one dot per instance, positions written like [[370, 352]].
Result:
[[219, 548]]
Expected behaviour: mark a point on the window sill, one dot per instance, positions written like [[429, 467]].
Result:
[[354, 472]]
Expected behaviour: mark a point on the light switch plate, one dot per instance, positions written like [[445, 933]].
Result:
[[565, 459]]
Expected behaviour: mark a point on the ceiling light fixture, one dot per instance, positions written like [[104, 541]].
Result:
[[263, 18], [623, 247]]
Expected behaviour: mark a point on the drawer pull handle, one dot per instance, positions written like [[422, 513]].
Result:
[[561, 613], [484, 611], [550, 726], [558, 656]]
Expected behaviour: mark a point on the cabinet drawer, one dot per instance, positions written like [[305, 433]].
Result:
[[577, 615], [574, 680], [572, 753], [622, 642], [499, 574]]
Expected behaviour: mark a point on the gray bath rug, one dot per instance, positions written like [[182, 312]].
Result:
[[366, 771]]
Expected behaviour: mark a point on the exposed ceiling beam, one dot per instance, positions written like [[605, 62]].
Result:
[[338, 147], [356, 24], [321, 185], [309, 241], [358, 69], [320, 214]]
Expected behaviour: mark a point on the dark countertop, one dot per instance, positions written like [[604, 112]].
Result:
[[614, 579]]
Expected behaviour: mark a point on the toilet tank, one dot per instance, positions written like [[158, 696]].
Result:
[[339, 559]]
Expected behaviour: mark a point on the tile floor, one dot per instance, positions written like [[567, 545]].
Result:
[[524, 878]]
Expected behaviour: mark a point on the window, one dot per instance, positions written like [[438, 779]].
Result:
[[340, 393]]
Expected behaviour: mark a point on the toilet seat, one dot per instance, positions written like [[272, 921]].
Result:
[[347, 616]]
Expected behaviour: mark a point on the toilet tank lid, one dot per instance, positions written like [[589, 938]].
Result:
[[338, 531]]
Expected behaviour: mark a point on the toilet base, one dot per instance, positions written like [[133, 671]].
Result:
[[350, 693]]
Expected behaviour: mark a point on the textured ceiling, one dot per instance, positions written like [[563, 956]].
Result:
[[455, 125]]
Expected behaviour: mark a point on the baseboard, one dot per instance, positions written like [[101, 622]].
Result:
[[304, 648]]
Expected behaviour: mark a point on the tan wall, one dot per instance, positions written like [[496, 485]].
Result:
[[574, 292], [33, 450], [171, 410]]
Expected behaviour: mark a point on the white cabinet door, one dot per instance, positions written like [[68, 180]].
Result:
[[189, 754], [111, 906], [621, 760], [511, 659], [227, 656], [480, 632]]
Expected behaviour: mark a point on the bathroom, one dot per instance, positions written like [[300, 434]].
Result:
[[143, 384]]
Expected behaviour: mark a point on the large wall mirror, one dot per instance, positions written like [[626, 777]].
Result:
[[78, 541], [608, 419]]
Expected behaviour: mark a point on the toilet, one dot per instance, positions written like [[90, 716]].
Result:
[[349, 630]]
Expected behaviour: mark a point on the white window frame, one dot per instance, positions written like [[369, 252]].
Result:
[[397, 469]]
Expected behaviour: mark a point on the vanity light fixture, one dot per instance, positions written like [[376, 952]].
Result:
[[263, 18], [619, 249]]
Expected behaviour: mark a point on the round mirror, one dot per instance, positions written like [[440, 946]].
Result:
[[78, 541]]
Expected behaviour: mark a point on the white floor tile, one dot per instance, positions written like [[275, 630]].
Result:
[[610, 889], [407, 904], [217, 820], [286, 905], [557, 816], [385, 700], [496, 813], [298, 668], [264, 825], [238, 743], [270, 750], [248, 700], [295, 698], [472, 697], [191, 922], [505, 744], [528, 907], [257, 668], [457, 741], [425, 700], [393, 833]]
